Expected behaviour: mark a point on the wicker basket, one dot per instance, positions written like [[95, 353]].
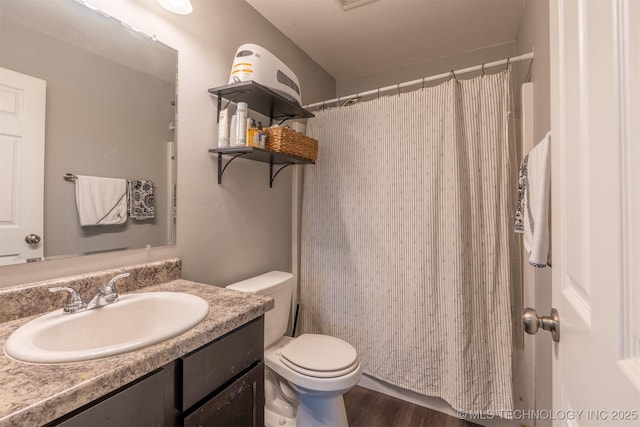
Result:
[[287, 141]]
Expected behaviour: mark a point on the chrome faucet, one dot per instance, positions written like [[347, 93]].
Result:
[[107, 294], [74, 302]]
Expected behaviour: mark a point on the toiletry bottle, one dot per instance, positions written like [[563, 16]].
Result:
[[248, 129], [241, 123], [223, 128], [252, 134], [233, 132], [262, 135]]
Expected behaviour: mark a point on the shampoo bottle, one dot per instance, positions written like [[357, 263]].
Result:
[[241, 123], [223, 128], [233, 132]]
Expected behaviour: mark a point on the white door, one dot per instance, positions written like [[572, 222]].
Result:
[[595, 115], [22, 118]]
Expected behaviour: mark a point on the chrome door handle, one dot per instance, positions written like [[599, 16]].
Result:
[[550, 323], [32, 239]]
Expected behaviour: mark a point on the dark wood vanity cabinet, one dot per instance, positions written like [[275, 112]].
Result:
[[219, 384], [145, 402], [223, 382], [241, 404]]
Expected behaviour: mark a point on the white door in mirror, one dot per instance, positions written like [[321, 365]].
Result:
[[22, 119]]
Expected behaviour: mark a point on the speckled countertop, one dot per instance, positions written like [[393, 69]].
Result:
[[34, 394]]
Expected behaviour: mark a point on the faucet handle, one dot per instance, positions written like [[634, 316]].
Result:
[[109, 291], [74, 301]]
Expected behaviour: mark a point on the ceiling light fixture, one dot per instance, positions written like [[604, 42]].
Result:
[[181, 7], [350, 4]]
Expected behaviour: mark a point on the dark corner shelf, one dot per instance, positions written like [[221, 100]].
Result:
[[261, 99], [259, 155], [270, 103]]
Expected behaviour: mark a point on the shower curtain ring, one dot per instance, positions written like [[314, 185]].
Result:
[[378, 94], [483, 73], [508, 60], [423, 82], [452, 75], [399, 92]]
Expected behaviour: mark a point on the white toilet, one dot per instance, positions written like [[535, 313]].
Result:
[[305, 377]]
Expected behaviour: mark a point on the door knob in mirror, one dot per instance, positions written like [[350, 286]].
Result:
[[32, 239]]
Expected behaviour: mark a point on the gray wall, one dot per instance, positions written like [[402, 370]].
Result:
[[228, 232], [103, 119], [534, 33], [426, 69]]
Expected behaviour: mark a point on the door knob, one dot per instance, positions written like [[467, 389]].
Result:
[[32, 239], [550, 323]]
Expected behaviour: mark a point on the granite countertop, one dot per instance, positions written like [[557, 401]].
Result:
[[34, 394]]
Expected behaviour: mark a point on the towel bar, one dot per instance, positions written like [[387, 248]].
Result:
[[69, 177]]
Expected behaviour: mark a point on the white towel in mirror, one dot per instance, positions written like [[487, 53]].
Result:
[[101, 201]]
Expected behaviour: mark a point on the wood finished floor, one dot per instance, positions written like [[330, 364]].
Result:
[[368, 408]]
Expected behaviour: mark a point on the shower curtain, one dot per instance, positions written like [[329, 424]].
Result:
[[406, 234]]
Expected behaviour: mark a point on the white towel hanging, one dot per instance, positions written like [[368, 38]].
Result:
[[532, 212], [101, 201]]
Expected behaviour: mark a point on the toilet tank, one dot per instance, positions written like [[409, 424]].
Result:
[[279, 286]]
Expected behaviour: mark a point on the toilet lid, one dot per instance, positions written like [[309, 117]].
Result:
[[320, 356]]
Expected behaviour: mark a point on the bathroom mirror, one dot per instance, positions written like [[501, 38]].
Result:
[[110, 112]]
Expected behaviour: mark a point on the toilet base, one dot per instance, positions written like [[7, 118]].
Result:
[[321, 412], [311, 412], [272, 419]]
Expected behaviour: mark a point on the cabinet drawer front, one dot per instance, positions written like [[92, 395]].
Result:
[[208, 368], [241, 404], [145, 403]]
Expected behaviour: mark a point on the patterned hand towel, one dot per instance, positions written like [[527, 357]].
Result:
[[532, 212], [141, 200], [101, 201]]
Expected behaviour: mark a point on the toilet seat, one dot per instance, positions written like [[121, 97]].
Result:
[[320, 356], [305, 384]]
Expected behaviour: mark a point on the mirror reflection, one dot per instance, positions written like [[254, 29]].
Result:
[[100, 101]]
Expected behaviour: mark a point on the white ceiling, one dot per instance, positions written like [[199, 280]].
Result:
[[385, 34]]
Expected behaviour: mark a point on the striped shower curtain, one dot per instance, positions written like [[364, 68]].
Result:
[[405, 247]]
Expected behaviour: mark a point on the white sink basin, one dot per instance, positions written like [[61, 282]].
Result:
[[134, 322]]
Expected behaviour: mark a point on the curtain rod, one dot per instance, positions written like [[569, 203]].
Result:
[[399, 86]]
